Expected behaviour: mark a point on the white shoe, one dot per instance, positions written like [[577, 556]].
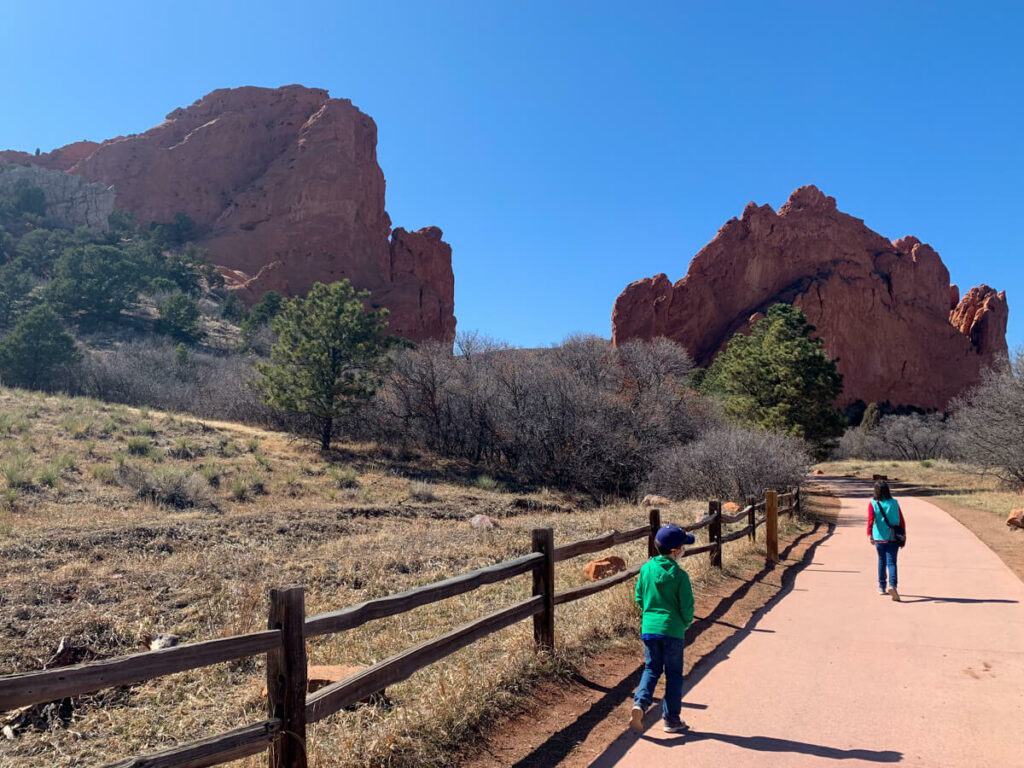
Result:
[[636, 719]]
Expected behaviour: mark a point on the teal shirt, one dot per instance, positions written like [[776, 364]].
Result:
[[880, 529], [665, 596]]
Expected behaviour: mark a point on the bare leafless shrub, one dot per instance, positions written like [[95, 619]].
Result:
[[147, 372], [856, 443], [988, 422], [582, 414], [915, 437], [421, 491], [911, 437], [730, 463]]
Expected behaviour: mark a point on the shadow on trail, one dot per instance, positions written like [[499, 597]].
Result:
[[964, 600], [925, 490], [862, 488], [770, 744], [617, 749], [788, 578], [560, 744], [848, 487]]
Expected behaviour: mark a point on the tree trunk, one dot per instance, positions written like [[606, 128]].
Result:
[[326, 427]]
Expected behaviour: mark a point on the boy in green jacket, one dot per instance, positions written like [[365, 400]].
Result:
[[665, 596]]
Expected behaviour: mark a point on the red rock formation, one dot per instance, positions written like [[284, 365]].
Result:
[[981, 317], [883, 308], [285, 186], [61, 159], [421, 284]]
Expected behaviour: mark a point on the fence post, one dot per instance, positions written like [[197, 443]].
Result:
[[286, 677], [752, 518], [652, 548], [796, 500], [544, 584], [771, 511], [715, 532]]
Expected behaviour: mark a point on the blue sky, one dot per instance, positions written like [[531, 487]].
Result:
[[569, 148]]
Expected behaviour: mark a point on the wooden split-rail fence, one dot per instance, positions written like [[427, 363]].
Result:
[[290, 709]]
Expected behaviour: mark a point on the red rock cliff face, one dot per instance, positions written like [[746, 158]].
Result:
[[885, 309], [59, 160], [286, 187]]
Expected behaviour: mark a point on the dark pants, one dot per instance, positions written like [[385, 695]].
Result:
[[887, 552], [662, 653]]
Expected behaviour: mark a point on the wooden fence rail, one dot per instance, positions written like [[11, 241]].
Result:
[[214, 750], [357, 615], [290, 709], [53, 684]]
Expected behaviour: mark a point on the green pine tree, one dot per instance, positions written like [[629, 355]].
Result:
[[38, 351], [263, 312], [779, 378], [233, 309], [94, 282], [15, 285], [872, 415], [329, 356], [179, 317]]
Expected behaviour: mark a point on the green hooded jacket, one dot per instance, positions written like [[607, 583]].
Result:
[[665, 596]]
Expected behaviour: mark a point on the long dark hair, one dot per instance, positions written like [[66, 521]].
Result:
[[882, 491]]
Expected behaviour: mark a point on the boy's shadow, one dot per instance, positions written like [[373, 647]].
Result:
[[762, 744]]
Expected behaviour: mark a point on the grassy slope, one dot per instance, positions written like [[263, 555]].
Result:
[[85, 558]]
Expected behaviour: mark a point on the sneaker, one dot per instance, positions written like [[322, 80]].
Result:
[[881, 590], [894, 594], [677, 726], [636, 719]]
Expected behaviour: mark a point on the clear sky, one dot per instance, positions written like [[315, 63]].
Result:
[[569, 148]]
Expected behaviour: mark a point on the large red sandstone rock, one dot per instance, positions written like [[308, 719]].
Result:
[[286, 188], [885, 309], [596, 570], [321, 675]]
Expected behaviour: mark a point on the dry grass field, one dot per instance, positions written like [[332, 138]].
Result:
[[118, 524]]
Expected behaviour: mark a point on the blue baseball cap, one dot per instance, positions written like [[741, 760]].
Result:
[[671, 537]]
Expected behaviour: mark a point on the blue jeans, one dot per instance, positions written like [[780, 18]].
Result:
[[887, 551], [663, 653]]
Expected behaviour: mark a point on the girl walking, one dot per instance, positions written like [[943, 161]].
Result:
[[884, 516]]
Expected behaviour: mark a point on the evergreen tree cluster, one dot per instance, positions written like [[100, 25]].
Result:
[[778, 378], [54, 279]]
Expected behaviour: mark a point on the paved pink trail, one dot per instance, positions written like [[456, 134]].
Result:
[[834, 673]]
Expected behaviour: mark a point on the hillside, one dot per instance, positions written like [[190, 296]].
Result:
[[118, 524]]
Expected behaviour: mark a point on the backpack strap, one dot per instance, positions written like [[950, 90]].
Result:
[[880, 510]]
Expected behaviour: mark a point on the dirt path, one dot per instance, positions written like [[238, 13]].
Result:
[[836, 672]]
